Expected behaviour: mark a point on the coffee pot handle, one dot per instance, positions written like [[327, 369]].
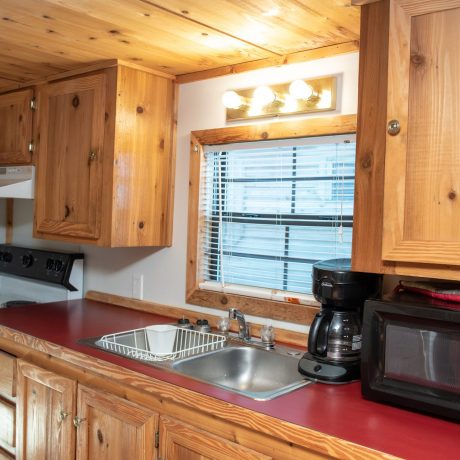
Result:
[[318, 329]]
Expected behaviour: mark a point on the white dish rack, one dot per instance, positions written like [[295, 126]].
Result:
[[135, 343]]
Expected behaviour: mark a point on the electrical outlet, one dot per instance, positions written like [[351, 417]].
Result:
[[138, 286]]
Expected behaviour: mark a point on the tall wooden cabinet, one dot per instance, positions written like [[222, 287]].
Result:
[[105, 158], [16, 117], [407, 202]]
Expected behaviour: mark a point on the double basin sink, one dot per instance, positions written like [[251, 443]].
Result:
[[224, 361]]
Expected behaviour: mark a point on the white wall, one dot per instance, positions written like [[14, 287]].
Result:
[[111, 270]]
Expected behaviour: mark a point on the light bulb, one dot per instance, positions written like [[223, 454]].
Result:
[[232, 100], [300, 89], [263, 95]]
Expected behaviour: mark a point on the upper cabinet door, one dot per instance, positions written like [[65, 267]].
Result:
[[69, 161], [422, 163], [16, 127]]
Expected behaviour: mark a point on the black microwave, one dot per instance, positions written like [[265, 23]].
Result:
[[410, 354]]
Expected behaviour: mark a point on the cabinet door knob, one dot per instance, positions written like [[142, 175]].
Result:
[[63, 415], [394, 127], [77, 421]]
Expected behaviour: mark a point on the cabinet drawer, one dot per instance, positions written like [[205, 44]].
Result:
[[7, 375], [7, 425]]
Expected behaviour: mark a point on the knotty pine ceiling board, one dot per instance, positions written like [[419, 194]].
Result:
[[280, 26], [43, 38]]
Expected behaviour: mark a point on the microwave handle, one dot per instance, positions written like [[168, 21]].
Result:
[[319, 328]]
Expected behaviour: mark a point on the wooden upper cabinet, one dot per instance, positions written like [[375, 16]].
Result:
[[16, 127], [422, 169], [105, 158], [70, 179], [407, 192]]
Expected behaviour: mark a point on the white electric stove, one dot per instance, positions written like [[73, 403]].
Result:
[[36, 275]]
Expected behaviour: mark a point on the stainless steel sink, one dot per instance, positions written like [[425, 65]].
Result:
[[250, 371], [240, 367]]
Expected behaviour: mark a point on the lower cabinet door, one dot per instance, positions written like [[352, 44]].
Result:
[[179, 441], [45, 404], [109, 427]]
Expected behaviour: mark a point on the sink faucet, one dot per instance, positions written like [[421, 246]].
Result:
[[243, 326]]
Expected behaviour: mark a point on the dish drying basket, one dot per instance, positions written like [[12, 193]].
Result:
[[139, 343]]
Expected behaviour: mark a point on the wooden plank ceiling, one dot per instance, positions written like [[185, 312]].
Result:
[[39, 38]]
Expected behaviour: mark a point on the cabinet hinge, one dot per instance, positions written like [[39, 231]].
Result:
[[33, 104], [157, 440], [31, 147]]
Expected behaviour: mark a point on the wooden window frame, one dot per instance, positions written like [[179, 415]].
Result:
[[309, 127]]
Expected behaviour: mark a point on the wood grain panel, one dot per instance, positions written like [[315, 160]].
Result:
[[7, 425], [371, 141], [179, 37], [282, 26], [113, 428], [16, 127], [421, 204], [180, 441], [144, 159], [301, 56], [433, 180], [43, 434], [71, 126], [7, 375]]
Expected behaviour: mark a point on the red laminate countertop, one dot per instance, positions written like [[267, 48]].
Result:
[[337, 410]]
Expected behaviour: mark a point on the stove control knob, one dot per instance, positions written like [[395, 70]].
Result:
[[58, 265], [27, 260], [49, 264], [7, 257]]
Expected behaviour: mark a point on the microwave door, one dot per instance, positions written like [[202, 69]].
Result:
[[425, 357]]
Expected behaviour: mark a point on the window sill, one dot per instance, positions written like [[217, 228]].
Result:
[[264, 308]]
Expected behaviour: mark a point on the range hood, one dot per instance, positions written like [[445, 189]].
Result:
[[17, 181]]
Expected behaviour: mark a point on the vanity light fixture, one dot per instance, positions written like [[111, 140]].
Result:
[[296, 97]]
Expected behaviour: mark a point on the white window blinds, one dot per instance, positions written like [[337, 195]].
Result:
[[269, 210]]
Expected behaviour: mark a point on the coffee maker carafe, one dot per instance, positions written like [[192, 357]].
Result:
[[334, 341]]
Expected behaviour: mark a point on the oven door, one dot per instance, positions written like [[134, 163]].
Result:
[[411, 356]]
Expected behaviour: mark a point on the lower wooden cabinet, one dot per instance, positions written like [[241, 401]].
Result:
[[45, 404], [180, 441], [109, 427], [59, 419]]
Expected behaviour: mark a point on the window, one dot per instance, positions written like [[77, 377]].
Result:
[[269, 210], [261, 213]]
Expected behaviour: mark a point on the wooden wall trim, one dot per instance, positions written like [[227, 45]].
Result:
[[166, 397], [9, 220], [302, 56], [309, 127], [282, 335]]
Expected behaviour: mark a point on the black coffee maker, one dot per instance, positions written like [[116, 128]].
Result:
[[334, 341]]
